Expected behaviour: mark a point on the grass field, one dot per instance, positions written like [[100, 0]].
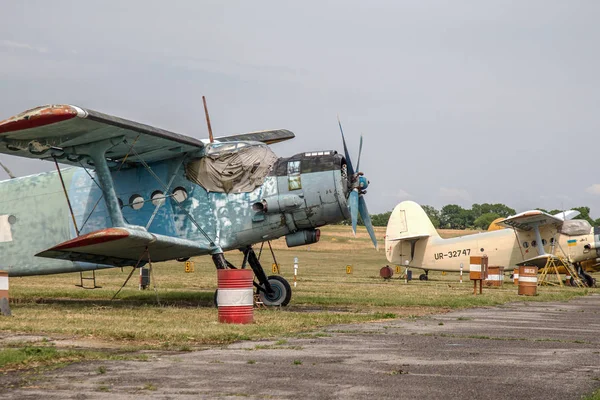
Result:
[[180, 315]]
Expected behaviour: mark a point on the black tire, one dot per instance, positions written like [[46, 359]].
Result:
[[423, 277], [282, 292]]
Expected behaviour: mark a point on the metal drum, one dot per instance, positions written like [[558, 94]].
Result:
[[516, 276], [495, 276], [528, 280], [386, 272], [235, 297]]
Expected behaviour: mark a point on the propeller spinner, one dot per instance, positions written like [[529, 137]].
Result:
[[357, 183]]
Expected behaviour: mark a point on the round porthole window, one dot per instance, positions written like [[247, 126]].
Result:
[[136, 201], [544, 242], [12, 219], [533, 243], [525, 245], [180, 194], [158, 198]]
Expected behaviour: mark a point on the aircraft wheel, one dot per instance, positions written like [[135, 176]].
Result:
[[282, 292], [423, 277]]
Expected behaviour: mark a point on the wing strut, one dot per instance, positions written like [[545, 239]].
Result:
[[62, 182]]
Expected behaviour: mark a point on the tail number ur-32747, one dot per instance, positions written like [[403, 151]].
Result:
[[453, 254]]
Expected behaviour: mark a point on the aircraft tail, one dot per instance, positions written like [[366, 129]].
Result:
[[409, 221], [407, 224]]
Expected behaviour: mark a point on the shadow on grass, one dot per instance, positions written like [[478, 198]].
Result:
[[128, 300]]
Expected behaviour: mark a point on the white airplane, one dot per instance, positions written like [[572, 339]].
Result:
[[411, 240]]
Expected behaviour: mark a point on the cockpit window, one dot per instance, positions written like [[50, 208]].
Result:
[[294, 177]]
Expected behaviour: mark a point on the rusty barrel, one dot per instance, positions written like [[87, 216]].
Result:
[[528, 280], [516, 276], [495, 276], [235, 297], [4, 306], [386, 272]]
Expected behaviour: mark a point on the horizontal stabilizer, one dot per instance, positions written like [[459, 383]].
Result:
[[123, 246], [410, 237]]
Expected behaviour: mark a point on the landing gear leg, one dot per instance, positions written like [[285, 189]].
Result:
[[273, 290], [425, 276], [585, 277]]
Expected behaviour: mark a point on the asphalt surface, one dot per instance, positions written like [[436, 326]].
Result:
[[515, 351]]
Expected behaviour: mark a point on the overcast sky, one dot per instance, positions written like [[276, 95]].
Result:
[[458, 101]]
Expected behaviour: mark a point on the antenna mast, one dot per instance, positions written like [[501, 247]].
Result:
[[210, 134]]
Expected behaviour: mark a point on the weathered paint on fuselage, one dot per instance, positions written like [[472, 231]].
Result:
[[37, 216], [503, 247]]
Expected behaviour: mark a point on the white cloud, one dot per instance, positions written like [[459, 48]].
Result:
[[22, 46], [455, 195], [594, 189]]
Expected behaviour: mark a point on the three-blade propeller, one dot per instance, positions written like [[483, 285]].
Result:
[[357, 184]]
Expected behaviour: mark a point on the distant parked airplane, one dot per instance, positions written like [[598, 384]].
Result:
[[412, 240]]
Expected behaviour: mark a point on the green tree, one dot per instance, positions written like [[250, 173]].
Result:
[[433, 214], [453, 216], [484, 221], [381, 219]]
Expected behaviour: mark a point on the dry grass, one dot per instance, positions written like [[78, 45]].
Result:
[[325, 295]]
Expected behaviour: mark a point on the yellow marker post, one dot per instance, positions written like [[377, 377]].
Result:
[[275, 268], [348, 269], [189, 266], [397, 269]]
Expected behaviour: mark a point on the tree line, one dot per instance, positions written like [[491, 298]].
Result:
[[479, 216]]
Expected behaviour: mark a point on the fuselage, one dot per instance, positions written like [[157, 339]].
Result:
[[504, 247], [34, 213]]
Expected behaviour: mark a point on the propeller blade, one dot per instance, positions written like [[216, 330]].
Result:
[[359, 153], [348, 161], [353, 205], [364, 213]]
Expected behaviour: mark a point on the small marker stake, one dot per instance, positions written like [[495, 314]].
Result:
[[295, 269]]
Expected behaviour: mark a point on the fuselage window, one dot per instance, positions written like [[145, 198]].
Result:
[[180, 194], [551, 240], [544, 242], [158, 198], [533, 243], [136, 201], [525, 245], [294, 179]]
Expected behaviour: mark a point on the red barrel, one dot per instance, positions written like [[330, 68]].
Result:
[[528, 280], [4, 306], [386, 272], [235, 297]]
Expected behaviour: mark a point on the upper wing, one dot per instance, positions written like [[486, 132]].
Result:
[[268, 137], [527, 220], [63, 131], [567, 215]]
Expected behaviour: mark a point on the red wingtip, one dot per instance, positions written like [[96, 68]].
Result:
[[39, 116], [101, 236]]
